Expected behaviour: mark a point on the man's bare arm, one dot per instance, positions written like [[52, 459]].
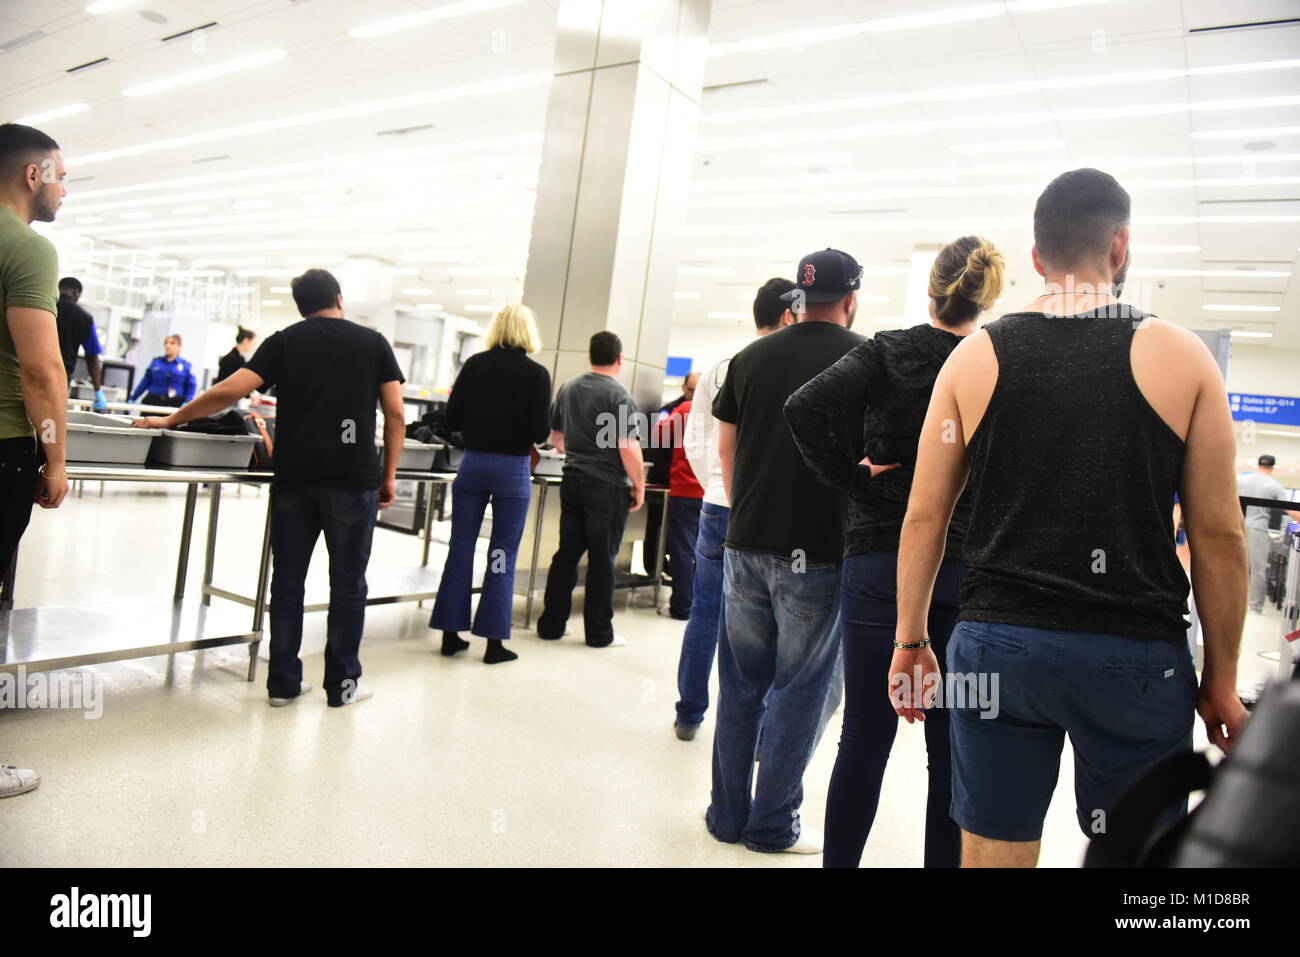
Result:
[[222, 395], [394, 408], [557, 440], [727, 453], [45, 393], [629, 450]]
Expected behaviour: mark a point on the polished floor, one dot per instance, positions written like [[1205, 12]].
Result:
[[563, 758]]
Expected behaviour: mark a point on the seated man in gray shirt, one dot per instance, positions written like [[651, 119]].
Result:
[[594, 423], [1260, 484]]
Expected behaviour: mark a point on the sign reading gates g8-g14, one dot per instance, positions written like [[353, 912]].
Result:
[[1276, 409]]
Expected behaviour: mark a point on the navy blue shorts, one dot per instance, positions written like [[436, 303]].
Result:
[[1124, 702]]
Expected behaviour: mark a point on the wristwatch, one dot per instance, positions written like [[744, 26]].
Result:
[[911, 645]]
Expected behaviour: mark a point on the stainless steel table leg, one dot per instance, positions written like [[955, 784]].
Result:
[[659, 551], [187, 531], [537, 547], [259, 601], [209, 558], [428, 521]]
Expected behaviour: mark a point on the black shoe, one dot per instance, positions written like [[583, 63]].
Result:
[[685, 732], [452, 643]]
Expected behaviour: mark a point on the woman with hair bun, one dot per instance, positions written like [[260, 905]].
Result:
[[887, 380]]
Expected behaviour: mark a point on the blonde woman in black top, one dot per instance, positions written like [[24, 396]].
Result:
[[500, 404], [890, 375]]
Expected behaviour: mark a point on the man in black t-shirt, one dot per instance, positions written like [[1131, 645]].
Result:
[[781, 568], [77, 332], [329, 373]]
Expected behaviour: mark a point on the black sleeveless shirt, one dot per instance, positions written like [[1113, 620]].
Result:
[[1073, 477]]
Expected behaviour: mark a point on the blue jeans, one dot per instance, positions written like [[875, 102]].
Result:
[[683, 529], [778, 633], [700, 641], [1125, 703], [298, 516], [868, 616], [502, 480]]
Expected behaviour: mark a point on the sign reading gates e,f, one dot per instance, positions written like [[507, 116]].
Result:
[[1274, 409]]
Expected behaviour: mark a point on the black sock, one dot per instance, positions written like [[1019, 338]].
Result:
[[497, 652], [452, 643]]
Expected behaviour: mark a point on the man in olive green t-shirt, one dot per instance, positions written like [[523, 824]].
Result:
[[33, 390]]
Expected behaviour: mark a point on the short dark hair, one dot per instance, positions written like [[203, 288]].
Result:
[[173, 335], [70, 285], [1077, 216], [1267, 461], [314, 290], [604, 349], [20, 145], [769, 307], [243, 334]]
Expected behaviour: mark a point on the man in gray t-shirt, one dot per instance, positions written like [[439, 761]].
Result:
[[1260, 484], [594, 423]]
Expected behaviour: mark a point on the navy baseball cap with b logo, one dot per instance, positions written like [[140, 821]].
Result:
[[825, 276]]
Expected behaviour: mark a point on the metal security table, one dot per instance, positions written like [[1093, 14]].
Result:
[[44, 639]]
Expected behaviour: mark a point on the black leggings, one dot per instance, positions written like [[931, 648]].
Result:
[[868, 615]]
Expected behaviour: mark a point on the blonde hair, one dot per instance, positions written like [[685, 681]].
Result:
[[966, 279], [514, 327]]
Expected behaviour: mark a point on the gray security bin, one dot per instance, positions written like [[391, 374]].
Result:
[[415, 457], [108, 439], [199, 450], [550, 463]]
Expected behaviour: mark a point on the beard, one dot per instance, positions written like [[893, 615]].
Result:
[[42, 210]]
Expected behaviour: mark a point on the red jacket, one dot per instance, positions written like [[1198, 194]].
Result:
[[669, 431]]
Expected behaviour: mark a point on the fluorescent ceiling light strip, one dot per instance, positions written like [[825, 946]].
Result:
[[1222, 308], [384, 159], [1246, 134], [394, 24], [763, 184], [507, 84], [1243, 334], [958, 191], [38, 118], [205, 73], [1007, 146], [966, 225], [913, 21], [969, 92], [902, 128]]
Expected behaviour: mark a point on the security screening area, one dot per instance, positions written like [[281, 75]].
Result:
[[683, 433]]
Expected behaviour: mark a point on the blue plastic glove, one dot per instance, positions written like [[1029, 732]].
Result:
[[101, 404]]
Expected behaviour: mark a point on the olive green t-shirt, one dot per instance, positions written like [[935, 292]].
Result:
[[29, 276]]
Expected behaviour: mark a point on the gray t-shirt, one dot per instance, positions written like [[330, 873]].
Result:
[[594, 412], [1259, 485]]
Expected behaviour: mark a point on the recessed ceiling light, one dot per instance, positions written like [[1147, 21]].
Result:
[[205, 73], [38, 118], [1215, 307], [1008, 146], [406, 22]]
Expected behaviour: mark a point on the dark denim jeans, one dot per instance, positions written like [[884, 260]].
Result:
[[593, 515], [683, 528], [778, 632], [298, 516], [502, 480], [868, 615], [700, 641]]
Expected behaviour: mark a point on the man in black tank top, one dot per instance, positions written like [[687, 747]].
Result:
[[1076, 422]]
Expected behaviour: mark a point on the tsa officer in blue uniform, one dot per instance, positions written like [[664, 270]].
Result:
[[169, 380]]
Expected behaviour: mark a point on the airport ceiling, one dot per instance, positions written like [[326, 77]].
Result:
[[879, 128]]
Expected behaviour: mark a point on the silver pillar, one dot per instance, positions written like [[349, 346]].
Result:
[[616, 164]]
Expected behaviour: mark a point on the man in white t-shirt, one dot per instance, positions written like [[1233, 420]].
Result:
[[700, 441], [1260, 484]]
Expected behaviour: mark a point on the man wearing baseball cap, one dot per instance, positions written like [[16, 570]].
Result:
[[781, 567], [1260, 484]]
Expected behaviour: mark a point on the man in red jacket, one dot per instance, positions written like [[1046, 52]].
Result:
[[684, 497]]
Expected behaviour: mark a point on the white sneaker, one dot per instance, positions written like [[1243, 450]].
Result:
[[810, 842], [359, 693], [14, 781], [281, 702]]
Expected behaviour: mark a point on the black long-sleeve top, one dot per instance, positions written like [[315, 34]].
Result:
[[501, 402], [891, 375]]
